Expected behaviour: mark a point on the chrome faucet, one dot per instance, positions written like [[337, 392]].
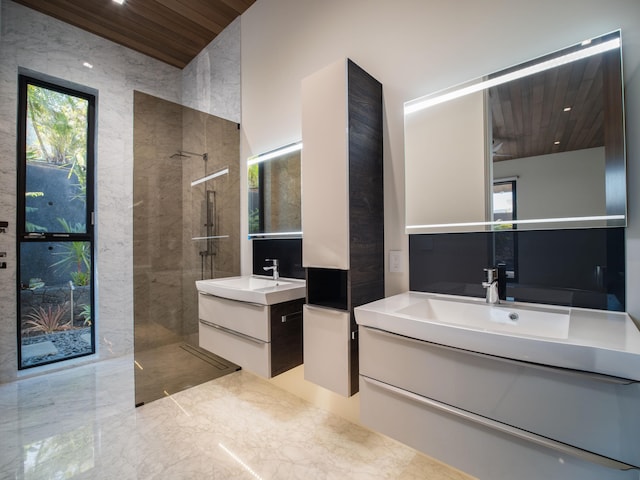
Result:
[[273, 267], [491, 285]]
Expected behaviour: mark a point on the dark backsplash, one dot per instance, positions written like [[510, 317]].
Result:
[[288, 251], [580, 268]]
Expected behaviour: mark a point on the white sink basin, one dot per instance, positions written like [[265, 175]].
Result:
[[547, 322], [568, 337], [252, 289]]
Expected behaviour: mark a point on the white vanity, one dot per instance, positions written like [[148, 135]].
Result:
[[253, 321], [504, 392]]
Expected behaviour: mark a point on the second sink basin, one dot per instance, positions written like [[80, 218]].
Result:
[[550, 323], [252, 289]]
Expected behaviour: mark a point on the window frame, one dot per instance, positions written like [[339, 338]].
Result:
[[22, 235]]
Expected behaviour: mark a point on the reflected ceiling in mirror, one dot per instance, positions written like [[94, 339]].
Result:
[[275, 193], [554, 142]]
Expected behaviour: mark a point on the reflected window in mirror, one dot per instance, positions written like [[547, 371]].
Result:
[[505, 210], [274, 188]]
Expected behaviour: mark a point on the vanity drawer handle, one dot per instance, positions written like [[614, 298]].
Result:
[[250, 304], [233, 332], [598, 377], [291, 316], [504, 428]]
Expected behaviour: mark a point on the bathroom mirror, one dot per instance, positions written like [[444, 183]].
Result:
[[536, 146], [274, 193]]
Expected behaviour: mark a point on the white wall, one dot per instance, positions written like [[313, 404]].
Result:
[[567, 184], [415, 47], [43, 44]]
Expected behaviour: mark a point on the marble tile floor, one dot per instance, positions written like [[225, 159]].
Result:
[[175, 367], [81, 423]]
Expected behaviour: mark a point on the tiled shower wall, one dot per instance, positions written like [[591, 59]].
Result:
[[169, 213]]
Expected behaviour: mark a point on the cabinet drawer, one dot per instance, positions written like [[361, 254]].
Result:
[[579, 409], [326, 348], [246, 318], [251, 354], [471, 446]]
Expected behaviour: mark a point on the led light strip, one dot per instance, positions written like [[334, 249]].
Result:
[[294, 147], [275, 234], [224, 171], [210, 238], [519, 222], [428, 101]]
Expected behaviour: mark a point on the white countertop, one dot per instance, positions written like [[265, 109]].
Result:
[[597, 341]]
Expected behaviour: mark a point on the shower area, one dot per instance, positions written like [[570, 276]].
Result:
[[186, 227]]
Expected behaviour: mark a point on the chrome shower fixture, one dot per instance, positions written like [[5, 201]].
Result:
[[185, 154]]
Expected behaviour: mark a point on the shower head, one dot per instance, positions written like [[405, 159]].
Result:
[[183, 154]]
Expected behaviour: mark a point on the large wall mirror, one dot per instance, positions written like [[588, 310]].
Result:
[[537, 146], [275, 192]]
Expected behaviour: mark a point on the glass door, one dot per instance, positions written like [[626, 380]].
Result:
[[55, 223]]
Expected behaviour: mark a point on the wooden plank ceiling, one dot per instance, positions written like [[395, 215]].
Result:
[[172, 31], [529, 116]]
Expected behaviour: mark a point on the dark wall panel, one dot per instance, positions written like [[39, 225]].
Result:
[[581, 267], [288, 251]]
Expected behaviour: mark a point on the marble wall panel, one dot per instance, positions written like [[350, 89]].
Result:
[[211, 81], [38, 43]]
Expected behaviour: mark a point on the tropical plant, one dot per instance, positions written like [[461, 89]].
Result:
[[47, 321], [254, 220], [253, 175], [79, 170], [32, 227], [76, 255], [86, 314], [80, 279], [59, 122]]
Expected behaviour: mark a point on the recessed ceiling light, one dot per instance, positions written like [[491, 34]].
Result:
[[567, 109], [557, 142], [119, 2], [87, 64]]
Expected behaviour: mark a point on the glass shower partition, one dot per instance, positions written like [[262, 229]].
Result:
[[186, 228]]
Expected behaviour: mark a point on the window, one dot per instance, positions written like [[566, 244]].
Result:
[[506, 242], [56, 127]]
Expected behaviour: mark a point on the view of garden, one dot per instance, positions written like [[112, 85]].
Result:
[[55, 253]]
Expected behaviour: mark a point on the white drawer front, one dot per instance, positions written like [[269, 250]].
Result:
[[576, 409], [472, 447], [250, 354], [326, 348], [246, 318]]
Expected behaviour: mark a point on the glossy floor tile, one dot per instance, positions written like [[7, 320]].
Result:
[[172, 368], [82, 424]]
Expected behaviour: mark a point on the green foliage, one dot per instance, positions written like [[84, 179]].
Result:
[[79, 170], [59, 122], [86, 314], [76, 255], [47, 321], [252, 173], [32, 227], [80, 279], [254, 220]]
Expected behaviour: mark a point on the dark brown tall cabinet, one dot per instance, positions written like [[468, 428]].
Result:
[[342, 217]]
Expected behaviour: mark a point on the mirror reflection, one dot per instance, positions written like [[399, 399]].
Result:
[[275, 192], [553, 145]]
